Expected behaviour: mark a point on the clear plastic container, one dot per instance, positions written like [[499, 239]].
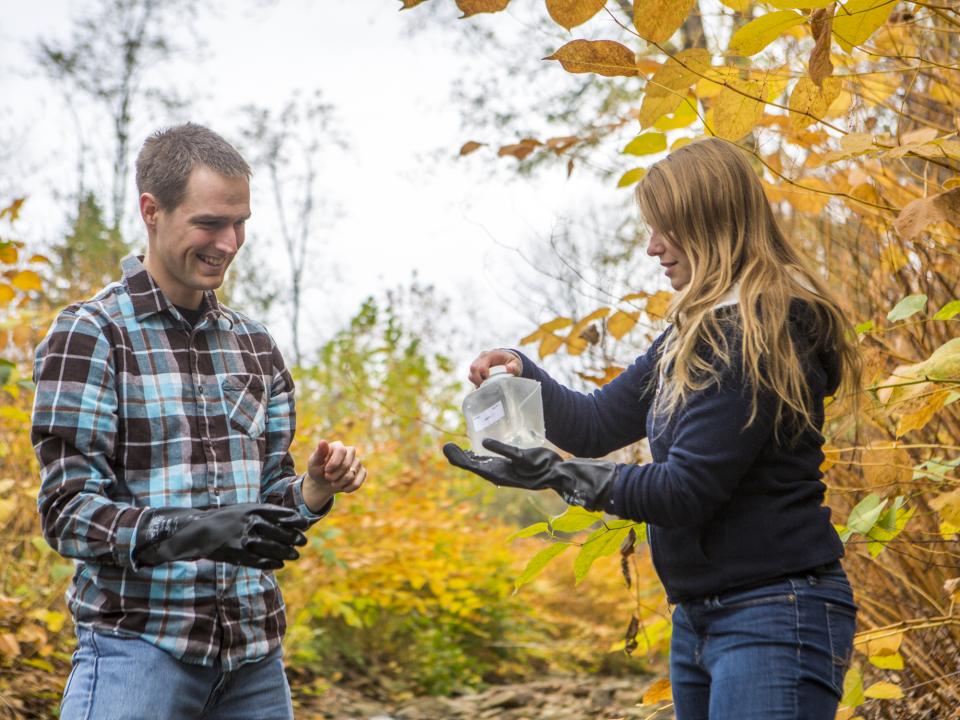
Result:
[[506, 408]]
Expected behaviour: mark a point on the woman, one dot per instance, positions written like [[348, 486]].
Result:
[[731, 400]]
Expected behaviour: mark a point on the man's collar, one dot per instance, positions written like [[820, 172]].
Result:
[[147, 297]]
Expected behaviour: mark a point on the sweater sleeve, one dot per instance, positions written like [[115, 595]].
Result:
[[711, 452], [594, 424]]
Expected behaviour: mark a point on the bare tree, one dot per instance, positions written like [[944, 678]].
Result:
[[290, 145], [108, 59]]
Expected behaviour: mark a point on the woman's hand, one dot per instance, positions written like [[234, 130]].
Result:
[[480, 368]]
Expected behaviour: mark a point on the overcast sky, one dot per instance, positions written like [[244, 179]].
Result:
[[407, 202]]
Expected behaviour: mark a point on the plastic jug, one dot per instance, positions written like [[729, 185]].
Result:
[[506, 408]]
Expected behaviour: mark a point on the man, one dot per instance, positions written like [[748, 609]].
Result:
[[162, 423]]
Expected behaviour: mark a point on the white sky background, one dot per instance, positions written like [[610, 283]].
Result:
[[408, 203]]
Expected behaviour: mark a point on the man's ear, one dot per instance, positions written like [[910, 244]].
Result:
[[149, 208]]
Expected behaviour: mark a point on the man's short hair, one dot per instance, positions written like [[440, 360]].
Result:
[[169, 156]]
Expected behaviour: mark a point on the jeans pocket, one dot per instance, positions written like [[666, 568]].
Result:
[[244, 396], [841, 625]]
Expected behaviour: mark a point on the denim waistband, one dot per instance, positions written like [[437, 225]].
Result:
[[816, 571]]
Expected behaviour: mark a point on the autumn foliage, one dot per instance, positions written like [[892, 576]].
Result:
[[850, 112]]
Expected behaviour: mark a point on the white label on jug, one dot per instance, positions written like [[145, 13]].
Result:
[[488, 417]]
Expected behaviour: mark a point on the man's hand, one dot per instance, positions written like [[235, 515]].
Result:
[[586, 483], [480, 367], [332, 468]]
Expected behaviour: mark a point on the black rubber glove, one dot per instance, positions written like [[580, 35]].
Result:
[[253, 534], [587, 483]]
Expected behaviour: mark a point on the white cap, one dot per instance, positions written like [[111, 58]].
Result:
[[497, 370]]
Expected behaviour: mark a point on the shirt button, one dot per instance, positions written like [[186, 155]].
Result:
[[199, 389]]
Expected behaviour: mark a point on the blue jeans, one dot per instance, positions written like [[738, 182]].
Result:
[[776, 652], [130, 679]]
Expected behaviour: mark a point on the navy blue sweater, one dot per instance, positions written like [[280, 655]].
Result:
[[725, 505]]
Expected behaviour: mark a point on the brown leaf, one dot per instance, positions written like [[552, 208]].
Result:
[[920, 214], [519, 150], [657, 20], [603, 57], [570, 13], [407, 4], [820, 66], [473, 7], [561, 144], [9, 647], [470, 146], [631, 635], [12, 211]]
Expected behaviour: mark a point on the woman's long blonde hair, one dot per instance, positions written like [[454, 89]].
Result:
[[706, 198]]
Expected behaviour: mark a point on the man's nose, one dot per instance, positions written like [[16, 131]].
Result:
[[230, 239]]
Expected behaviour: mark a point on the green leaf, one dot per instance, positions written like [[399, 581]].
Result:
[[852, 689], [757, 34], [602, 542], [538, 562], [574, 519], [647, 143], [910, 305], [865, 514], [6, 370], [631, 176], [948, 311], [882, 533], [530, 531], [864, 327]]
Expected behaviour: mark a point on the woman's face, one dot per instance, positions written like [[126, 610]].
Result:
[[675, 264]]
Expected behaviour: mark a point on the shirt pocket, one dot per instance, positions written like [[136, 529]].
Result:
[[246, 409]]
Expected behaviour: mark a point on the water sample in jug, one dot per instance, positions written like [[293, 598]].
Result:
[[506, 408]]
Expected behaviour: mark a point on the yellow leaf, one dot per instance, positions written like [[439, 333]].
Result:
[[470, 146], [798, 4], [875, 643], [658, 304], [893, 661], [659, 691], [657, 20], [603, 57], [7, 294], [738, 5], [631, 176], [920, 214], [852, 688], [809, 103], [473, 7], [713, 84], [600, 380], [760, 32], [634, 296], [948, 506], [857, 20], [620, 323], [576, 343], [916, 419], [570, 13], [831, 456], [550, 344], [8, 252], [884, 691], [646, 144], [27, 280], [680, 142], [667, 88], [737, 109], [684, 116]]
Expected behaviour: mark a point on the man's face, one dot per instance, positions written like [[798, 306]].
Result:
[[192, 245]]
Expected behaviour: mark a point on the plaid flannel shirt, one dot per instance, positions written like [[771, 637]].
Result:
[[135, 408]]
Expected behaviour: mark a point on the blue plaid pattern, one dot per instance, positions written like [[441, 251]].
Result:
[[135, 408]]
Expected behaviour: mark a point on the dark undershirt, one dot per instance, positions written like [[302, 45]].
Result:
[[191, 316]]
